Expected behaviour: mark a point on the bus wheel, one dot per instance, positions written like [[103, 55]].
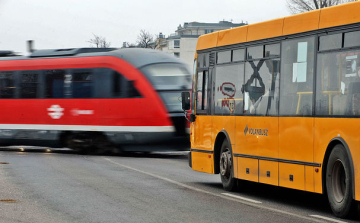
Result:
[[339, 182], [226, 167]]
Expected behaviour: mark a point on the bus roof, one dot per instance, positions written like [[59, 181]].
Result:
[[304, 22], [138, 57]]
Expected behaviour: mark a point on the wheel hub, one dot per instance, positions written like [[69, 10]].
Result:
[[225, 163]]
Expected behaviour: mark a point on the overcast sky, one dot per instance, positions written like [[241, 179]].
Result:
[[71, 23]]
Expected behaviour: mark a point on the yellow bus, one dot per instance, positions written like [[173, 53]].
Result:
[[278, 102]]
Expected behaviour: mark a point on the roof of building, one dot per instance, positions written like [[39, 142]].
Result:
[[221, 24]]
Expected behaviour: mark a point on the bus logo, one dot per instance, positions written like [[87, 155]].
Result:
[[55, 111], [256, 132]]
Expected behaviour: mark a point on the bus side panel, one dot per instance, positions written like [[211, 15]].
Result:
[[269, 172], [292, 176], [202, 133], [202, 162], [296, 138], [248, 169], [257, 136], [348, 129], [226, 123]]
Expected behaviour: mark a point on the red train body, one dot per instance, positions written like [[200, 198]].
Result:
[[83, 99]]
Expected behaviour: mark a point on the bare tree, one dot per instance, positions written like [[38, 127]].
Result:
[[146, 40], [99, 42], [299, 6]]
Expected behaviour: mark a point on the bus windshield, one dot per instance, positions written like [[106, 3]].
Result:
[[168, 76]]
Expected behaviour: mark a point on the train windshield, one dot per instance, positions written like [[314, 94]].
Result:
[[168, 76]]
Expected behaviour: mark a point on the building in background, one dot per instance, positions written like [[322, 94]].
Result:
[[182, 43]]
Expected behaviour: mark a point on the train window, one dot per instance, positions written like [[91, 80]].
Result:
[[330, 42], [54, 83], [352, 39], [117, 84], [82, 84], [255, 52], [7, 84], [29, 84], [132, 92]]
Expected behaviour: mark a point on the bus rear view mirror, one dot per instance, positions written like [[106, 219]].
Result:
[[185, 99]]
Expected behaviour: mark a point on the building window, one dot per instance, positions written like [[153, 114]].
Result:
[[208, 31], [176, 43], [177, 54]]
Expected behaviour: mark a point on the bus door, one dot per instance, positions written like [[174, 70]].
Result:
[[202, 127]]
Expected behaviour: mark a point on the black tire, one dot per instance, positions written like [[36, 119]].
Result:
[[339, 182], [226, 167]]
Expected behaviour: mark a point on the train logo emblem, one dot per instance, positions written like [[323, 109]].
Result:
[[55, 111]]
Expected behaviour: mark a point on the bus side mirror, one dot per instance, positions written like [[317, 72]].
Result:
[[185, 99]]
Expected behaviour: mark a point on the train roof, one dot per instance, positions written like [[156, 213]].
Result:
[[138, 57]]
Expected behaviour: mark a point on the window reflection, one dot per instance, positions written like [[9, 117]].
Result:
[[338, 83], [228, 95], [261, 87]]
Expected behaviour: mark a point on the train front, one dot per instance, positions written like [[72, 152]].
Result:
[[169, 80]]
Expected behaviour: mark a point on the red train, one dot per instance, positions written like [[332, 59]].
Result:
[[89, 98]]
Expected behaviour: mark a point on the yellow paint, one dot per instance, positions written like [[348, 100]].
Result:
[[273, 167], [207, 41], [301, 22], [340, 15], [265, 30], [252, 165], [296, 138], [297, 171], [232, 36], [253, 144], [309, 178], [201, 162], [202, 129]]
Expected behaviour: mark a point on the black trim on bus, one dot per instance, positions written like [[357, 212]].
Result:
[[278, 160], [202, 151], [332, 30]]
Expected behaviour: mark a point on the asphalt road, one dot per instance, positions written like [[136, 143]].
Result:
[[61, 186]]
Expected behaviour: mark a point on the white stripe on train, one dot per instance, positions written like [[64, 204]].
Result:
[[88, 128]]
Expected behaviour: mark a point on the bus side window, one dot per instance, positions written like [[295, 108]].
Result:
[[297, 76], [229, 80], [338, 83], [7, 84]]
